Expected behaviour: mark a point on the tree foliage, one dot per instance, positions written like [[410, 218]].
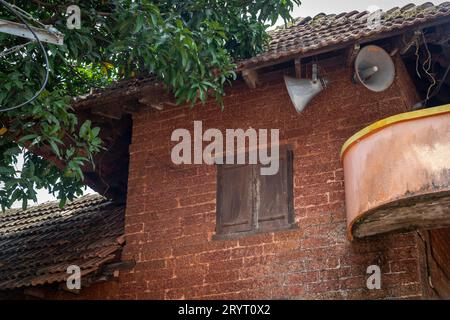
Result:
[[189, 45]]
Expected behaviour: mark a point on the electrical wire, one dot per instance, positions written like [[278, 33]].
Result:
[[417, 44], [47, 68], [441, 82], [426, 66]]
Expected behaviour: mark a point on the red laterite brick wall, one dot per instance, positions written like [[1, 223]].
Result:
[[170, 217]]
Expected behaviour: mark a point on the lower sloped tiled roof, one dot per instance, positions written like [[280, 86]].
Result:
[[38, 244]]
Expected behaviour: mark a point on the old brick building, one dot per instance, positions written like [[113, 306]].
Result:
[[172, 248]]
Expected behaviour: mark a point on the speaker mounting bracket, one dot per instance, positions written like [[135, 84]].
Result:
[[298, 67], [352, 52]]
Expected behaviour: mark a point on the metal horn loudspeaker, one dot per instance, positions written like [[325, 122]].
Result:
[[374, 68], [301, 91]]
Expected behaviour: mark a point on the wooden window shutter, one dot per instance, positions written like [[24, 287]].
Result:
[[275, 195], [234, 198]]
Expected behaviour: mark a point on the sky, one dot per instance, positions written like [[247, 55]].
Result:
[[42, 194], [311, 8]]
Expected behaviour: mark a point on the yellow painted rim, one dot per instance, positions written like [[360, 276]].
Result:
[[407, 116]]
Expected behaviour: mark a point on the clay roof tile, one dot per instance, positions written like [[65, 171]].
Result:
[[38, 244]]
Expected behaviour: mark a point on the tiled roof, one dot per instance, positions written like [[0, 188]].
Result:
[[38, 244], [306, 35], [126, 86], [311, 34]]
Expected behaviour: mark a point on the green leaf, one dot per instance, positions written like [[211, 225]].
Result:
[[55, 148], [62, 202], [84, 128], [189, 46], [26, 138]]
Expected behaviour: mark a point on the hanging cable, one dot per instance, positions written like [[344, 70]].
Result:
[[417, 44], [441, 82], [426, 66], [47, 68]]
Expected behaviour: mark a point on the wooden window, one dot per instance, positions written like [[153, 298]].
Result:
[[248, 202]]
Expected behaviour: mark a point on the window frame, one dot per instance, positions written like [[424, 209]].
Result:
[[286, 152]]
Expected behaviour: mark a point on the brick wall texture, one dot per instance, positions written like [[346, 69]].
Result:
[[170, 216]]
